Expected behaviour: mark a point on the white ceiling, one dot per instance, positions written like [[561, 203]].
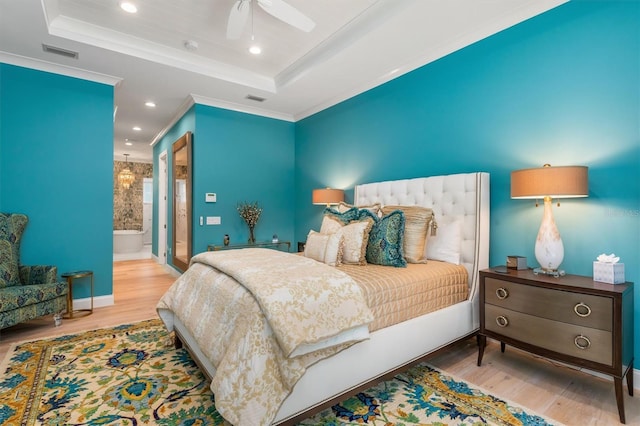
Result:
[[355, 45]]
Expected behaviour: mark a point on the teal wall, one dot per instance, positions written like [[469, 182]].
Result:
[[56, 140], [240, 157], [562, 88]]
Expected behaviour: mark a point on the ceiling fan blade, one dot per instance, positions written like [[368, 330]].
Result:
[[237, 19], [287, 13]]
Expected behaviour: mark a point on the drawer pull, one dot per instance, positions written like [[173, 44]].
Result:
[[582, 342], [582, 310], [502, 321], [502, 293]]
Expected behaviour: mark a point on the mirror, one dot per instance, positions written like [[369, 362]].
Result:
[[181, 167]]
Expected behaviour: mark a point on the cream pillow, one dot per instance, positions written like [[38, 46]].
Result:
[[416, 224], [325, 248], [330, 224], [356, 236], [446, 245]]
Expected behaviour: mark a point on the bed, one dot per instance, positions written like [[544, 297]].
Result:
[[349, 367]]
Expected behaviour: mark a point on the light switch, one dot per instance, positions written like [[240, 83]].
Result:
[[210, 197]]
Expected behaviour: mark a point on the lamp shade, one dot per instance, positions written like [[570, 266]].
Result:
[[547, 181], [327, 196]]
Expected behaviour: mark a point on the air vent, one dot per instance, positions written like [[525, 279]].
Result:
[[256, 98], [60, 51]]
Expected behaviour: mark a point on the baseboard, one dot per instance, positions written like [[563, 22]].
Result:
[[171, 270], [98, 302]]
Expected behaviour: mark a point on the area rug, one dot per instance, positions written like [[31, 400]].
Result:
[[132, 375]]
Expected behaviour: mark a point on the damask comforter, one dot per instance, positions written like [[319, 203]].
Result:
[[262, 317]]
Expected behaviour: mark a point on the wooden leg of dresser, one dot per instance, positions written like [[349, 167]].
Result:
[[617, 382], [482, 342]]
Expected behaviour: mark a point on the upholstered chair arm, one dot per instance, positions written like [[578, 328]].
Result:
[[38, 274]]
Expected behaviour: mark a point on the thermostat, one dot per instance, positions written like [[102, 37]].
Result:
[[210, 197]]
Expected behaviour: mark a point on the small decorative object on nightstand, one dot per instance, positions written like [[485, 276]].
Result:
[[250, 213], [572, 319], [516, 262], [225, 241], [275, 238], [607, 269]]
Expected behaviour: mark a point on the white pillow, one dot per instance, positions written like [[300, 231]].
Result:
[[446, 244], [325, 248]]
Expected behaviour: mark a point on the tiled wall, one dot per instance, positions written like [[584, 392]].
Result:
[[127, 202]]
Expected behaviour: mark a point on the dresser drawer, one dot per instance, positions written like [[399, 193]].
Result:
[[584, 310], [553, 335]]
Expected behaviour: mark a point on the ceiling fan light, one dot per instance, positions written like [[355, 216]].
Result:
[[128, 7], [255, 49]]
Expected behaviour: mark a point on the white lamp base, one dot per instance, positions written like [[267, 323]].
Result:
[[556, 273], [549, 248]]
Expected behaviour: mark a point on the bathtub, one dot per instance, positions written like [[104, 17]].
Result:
[[127, 241]]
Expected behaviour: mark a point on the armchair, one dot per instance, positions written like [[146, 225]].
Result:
[[26, 292]]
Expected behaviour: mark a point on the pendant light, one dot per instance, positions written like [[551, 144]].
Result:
[[125, 177]]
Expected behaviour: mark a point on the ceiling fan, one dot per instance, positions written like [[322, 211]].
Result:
[[276, 8]]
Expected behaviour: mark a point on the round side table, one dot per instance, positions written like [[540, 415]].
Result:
[[70, 277]]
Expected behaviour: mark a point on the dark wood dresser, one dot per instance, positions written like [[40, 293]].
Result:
[[572, 319]]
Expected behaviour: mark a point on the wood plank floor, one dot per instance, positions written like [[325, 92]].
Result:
[[556, 391]]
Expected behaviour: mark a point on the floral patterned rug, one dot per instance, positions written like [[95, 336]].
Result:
[[132, 375]]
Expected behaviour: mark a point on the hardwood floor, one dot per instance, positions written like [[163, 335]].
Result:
[[137, 287], [556, 391]]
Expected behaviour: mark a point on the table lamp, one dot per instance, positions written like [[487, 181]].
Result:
[[548, 183], [327, 196]]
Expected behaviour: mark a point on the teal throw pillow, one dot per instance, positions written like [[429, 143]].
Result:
[[11, 228], [385, 245], [345, 217]]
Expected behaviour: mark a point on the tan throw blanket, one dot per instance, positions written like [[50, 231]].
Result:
[[261, 317]]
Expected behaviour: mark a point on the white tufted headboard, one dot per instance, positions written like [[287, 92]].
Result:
[[465, 194]]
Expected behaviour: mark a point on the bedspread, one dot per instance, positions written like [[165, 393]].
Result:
[[253, 313]]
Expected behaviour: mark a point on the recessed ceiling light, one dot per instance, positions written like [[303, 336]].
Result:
[[137, 129], [150, 104], [128, 7], [255, 49], [128, 143]]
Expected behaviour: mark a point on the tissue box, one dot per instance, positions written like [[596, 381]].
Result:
[[612, 273]]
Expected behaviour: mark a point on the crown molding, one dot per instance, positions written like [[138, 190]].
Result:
[[40, 65]]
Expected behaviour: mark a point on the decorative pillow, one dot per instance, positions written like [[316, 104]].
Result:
[[385, 246], [446, 244], [11, 229], [345, 217], [374, 208], [356, 236], [325, 248], [330, 224], [417, 221]]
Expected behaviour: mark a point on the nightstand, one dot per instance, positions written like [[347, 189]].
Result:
[[571, 319], [280, 245]]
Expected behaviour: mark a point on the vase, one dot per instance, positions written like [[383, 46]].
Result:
[[252, 238]]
